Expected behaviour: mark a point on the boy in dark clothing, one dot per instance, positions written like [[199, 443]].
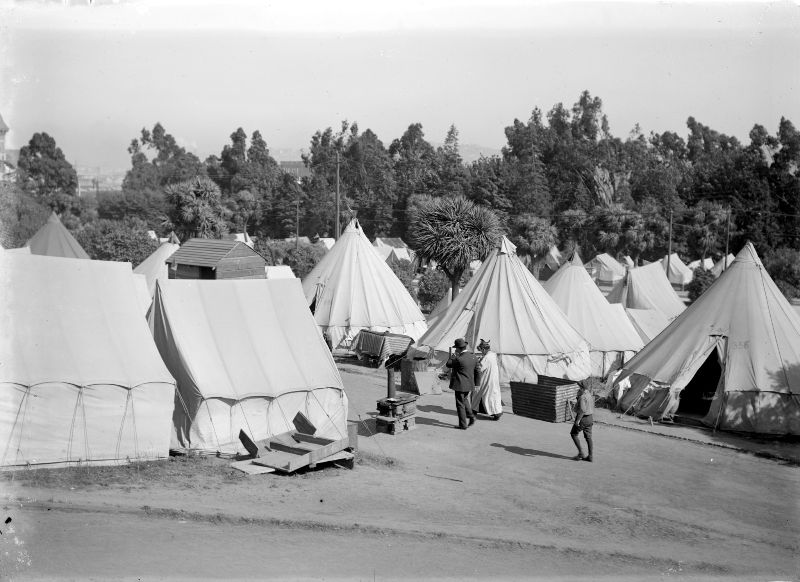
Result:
[[583, 423]]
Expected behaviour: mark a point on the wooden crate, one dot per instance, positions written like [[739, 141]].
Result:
[[548, 399], [400, 406], [394, 425]]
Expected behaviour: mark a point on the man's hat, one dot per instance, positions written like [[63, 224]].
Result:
[[460, 343], [484, 344]]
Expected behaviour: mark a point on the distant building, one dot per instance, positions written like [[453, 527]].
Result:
[[8, 161], [205, 258], [296, 169]]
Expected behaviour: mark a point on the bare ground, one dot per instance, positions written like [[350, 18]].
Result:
[[502, 500]]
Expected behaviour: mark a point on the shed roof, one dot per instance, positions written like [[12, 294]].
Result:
[[205, 252]]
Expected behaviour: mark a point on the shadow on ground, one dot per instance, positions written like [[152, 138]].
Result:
[[422, 420], [434, 408], [529, 452]]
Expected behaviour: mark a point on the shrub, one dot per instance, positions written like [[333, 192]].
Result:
[[432, 286], [700, 282], [405, 272]]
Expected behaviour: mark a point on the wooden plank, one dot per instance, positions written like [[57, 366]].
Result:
[[248, 444], [307, 438], [286, 461], [277, 459], [303, 425], [294, 448], [247, 466]]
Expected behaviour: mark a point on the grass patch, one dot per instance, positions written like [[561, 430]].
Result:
[[188, 471]]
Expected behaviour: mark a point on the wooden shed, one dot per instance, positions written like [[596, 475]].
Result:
[[204, 258]]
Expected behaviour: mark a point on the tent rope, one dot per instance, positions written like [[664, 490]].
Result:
[[283, 414], [14, 426], [72, 426], [122, 425], [85, 426], [133, 422], [213, 428], [313, 393]]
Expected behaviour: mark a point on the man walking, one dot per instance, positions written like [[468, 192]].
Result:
[[583, 423], [463, 377]]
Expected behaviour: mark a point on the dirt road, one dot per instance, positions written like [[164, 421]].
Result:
[[501, 500]]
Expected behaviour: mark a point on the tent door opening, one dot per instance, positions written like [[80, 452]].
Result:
[[699, 392]]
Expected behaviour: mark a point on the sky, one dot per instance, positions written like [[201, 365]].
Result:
[[92, 75]]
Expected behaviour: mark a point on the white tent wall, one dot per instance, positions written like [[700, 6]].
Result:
[[246, 355], [647, 288], [154, 267], [756, 334], [81, 379]]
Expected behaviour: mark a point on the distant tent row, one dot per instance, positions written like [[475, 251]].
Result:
[[677, 272], [612, 337], [733, 357], [605, 269], [505, 304], [647, 288], [352, 288]]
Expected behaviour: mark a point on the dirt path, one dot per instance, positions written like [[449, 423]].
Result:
[[502, 499]]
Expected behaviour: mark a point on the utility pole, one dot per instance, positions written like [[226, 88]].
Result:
[[337, 196], [727, 236], [669, 252], [297, 223]]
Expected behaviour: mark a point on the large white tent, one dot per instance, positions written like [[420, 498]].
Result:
[[611, 336], [505, 304], [246, 354], [733, 356], [677, 271], [54, 240], [647, 288], [647, 322], [154, 267], [605, 269], [352, 289], [81, 379]]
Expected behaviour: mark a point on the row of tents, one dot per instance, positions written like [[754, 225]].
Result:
[[87, 377]]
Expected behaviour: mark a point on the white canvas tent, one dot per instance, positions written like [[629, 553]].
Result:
[[733, 356], [154, 267], [677, 271], [352, 289], [719, 266], [278, 272], [80, 380], [706, 264], [605, 269], [246, 354], [54, 240], [505, 304], [647, 288], [611, 336], [648, 322]]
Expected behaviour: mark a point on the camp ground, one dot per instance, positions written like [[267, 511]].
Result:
[[246, 355], [732, 358], [612, 338], [81, 380], [352, 288], [503, 290]]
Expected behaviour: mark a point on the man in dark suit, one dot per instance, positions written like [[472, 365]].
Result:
[[463, 377]]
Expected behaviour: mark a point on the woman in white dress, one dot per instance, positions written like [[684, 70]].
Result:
[[486, 398]]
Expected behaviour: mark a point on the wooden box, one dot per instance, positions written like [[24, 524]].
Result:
[[394, 425], [549, 399], [397, 407]]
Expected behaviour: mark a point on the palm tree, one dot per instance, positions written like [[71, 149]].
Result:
[[453, 232]]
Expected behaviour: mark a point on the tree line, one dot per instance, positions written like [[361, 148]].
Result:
[[562, 179]]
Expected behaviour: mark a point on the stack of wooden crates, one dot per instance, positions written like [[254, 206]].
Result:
[[549, 399]]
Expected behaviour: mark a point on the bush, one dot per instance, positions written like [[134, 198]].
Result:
[[114, 240], [783, 265], [405, 272], [432, 286], [702, 280], [301, 259]]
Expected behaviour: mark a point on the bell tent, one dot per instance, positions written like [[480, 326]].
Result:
[[247, 355], [505, 304], [611, 336], [677, 272], [81, 379], [647, 288], [154, 267], [706, 264], [721, 265], [352, 289], [733, 357], [54, 240], [605, 269]]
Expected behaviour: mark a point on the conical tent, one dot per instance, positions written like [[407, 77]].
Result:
[[605, 269], [706, 264], [720, 265], [352, 289], [611, 336], [247, 355], [154, 267], [732, 356], [677, 271], [505, 304], [54, 240], [647, 288], [81, 379], [647, 322]]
